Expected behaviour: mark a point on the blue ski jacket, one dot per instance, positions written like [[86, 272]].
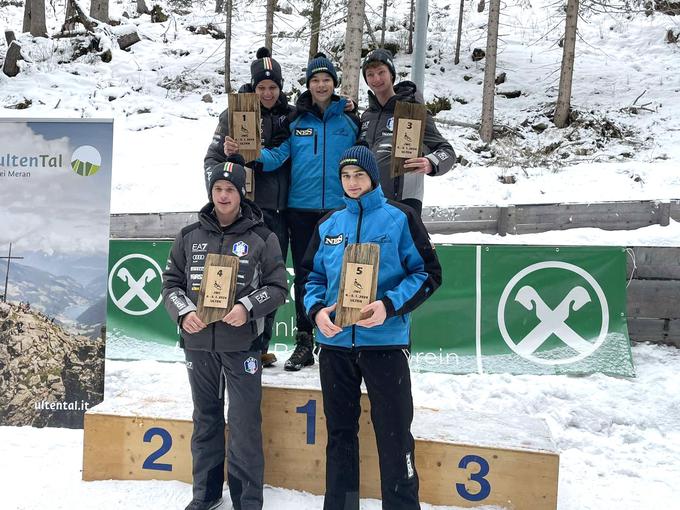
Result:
[[409, 271], [316, 142]]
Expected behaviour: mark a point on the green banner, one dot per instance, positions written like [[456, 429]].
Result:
[[517, 309]]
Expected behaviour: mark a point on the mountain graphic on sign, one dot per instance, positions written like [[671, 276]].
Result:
[[86, 160]]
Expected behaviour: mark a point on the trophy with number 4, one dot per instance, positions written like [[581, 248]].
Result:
[[218, 287]]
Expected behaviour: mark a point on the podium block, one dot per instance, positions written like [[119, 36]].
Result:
[[462, 459]]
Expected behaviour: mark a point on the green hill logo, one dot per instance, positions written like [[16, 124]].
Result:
[[86, 160]]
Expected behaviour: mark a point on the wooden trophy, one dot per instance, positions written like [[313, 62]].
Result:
[[218, 287], [244, 124], [358, 282], [407, 135], [250, 183]]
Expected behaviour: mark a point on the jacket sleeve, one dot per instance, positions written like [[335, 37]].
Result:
[[274, 282], [272, 159], [424, 274], [175, 300], [314, 274], [215, 153], [441, 154]]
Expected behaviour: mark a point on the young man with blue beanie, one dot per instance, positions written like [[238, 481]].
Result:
[[376, 349], [321, 129]]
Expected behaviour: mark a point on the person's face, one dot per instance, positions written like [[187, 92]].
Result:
[[355, 181], [226, 198], [321, 87], [268, 93], [379, 79]]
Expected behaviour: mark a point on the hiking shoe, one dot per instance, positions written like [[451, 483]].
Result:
[[303, 355], [268, 359], [197, 504]]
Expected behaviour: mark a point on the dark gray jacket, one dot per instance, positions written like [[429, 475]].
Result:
[[376, 130], [261, 283], [271, 188]]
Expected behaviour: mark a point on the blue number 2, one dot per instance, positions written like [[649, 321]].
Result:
[[484, 485], [310, 410], [150, 462]]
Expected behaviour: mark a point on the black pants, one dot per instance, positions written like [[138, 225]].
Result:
[[388, 381], [276, 222], [245, 458], [301, 227]]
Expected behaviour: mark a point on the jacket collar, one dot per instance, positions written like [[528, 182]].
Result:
[[250, 217], [374, 199]]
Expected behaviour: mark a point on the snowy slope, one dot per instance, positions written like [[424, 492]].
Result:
[[162, 127]]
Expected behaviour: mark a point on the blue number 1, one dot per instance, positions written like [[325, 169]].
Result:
[[484, 485], [166, 444], [310, 410]]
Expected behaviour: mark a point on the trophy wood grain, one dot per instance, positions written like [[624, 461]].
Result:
[[360, 253], [210, 314], [238, 104], [413, 111]]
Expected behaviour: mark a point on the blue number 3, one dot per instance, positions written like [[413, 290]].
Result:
[[166, 444], [484, 485]]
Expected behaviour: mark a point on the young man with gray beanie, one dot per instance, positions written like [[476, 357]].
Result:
[[375, 349], [377, 129], [226, 353]]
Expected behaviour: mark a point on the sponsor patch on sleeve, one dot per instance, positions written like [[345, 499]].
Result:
[[333, 240]]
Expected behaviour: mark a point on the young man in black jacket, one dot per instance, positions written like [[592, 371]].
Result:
[[227, 350], [271, 188], [377, 127]]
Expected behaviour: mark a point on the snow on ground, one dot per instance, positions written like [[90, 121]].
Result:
[[162, 127], [618, 439]]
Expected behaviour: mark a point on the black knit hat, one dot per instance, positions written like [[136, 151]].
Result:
[[265, 68], [231, 171], [360, 155], [381, 56], [321, 64]]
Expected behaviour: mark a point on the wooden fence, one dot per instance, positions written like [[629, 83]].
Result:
[[653, 292]]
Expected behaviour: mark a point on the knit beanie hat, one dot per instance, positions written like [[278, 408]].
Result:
[[381, 56], [360, 155], [231, 171], [265, 68], [321, 64]]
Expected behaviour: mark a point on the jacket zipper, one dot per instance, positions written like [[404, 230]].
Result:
[[323, 174], [361, 215]]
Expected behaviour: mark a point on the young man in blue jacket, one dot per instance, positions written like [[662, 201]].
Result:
[[320, 131], [376, 348]]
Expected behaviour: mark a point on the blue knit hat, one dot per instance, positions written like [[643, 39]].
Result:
[[321, 64], [361, 156]]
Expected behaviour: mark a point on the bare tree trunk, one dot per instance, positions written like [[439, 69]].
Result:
[[27, 17], [315, 24], [486, 130], [410, 27], [353, 43], [384, 23], [219, 5], [99, 9], [38, 24], [227, 47], [269, 25], [369, 30], [564, 95], [456, 60]]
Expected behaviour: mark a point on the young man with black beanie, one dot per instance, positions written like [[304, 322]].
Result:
[[271, 188], [227, 352], [376, 348], [377, 129]]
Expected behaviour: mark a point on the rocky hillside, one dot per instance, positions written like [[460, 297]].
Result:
[[48, 377]]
